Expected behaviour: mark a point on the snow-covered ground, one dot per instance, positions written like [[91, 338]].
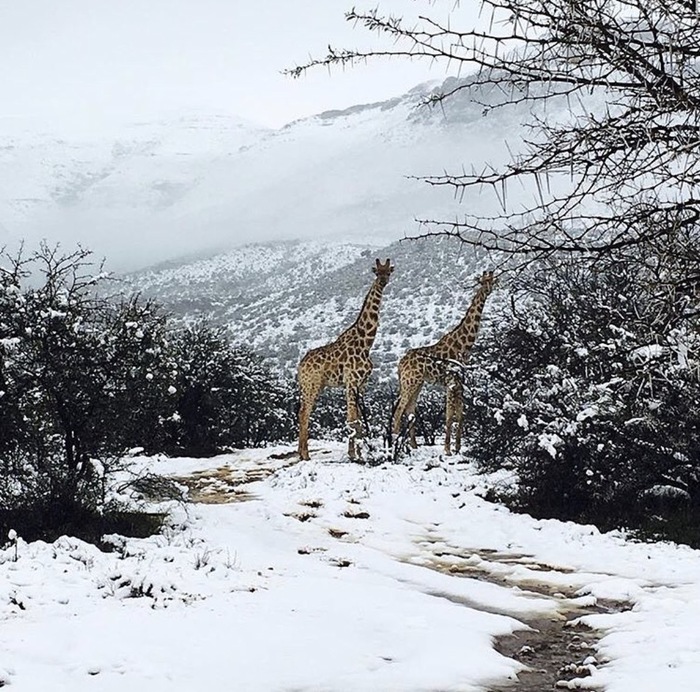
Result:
[[328, 575]]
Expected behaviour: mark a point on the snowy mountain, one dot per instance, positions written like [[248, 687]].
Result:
[[154, 191], [284, 298], [108, 191]]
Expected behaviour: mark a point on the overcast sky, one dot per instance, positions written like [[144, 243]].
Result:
[[118, 60]]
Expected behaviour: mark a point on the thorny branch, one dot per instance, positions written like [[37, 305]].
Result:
[[621, 173]]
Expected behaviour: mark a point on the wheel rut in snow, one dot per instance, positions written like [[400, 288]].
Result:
[[556, 650]]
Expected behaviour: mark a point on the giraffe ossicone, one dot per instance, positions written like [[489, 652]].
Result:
[[344, 362], [441, 363]]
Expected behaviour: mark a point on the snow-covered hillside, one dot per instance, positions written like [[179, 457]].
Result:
[[153, 191], [106, 191], [284, 298]]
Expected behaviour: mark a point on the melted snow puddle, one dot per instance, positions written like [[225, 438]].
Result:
[[559, 651]]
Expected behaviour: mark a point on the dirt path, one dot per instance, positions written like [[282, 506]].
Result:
[[556, 649], [225, 484]]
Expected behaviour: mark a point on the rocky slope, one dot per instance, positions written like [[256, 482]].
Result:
[[283, 298]]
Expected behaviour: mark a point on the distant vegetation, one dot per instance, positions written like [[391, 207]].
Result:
[[84, 378]]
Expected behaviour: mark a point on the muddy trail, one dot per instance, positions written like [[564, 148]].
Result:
[[226, 484], [557, 651]]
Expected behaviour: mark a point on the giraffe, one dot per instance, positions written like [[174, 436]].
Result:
[[344, 362], [441, 363]]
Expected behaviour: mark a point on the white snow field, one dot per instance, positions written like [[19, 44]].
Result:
[[323, 576]]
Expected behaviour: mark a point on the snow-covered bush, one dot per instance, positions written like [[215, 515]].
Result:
[[225, 395], [430, 413], [84, 378], [329, 415], [81, 379], [589, 389]]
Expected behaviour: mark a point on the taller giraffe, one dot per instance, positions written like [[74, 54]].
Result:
[[440, 363], [344, 362]]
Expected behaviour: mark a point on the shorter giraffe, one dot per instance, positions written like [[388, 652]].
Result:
[[343, 363], [441, 363]]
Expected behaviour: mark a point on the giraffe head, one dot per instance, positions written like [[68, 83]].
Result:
[[487, 282], [383, 271]]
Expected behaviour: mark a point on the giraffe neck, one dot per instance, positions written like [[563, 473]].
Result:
[[458, 342], [364, 329]]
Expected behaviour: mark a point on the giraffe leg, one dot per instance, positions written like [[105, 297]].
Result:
[[453, 415], [398, 414], [309, 394], [449, 414], [459, 415], [411, 414], [408, 397], [352, 393], [403, 398]]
